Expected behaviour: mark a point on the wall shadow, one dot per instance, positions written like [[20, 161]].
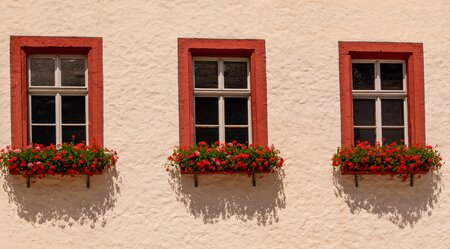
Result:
[[221, 197], [390, 198], [64, 201]]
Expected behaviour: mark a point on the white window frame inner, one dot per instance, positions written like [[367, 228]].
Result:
[[221, 93], [377, 94], [58, 91]]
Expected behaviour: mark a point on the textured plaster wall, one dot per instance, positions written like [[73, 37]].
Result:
[[140, 205]]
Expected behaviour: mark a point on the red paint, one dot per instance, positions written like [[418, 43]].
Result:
[[253, 49], [21, 46], [412, 53]]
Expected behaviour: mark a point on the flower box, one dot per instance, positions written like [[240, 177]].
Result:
[[66, 159], [225, 158], [392, 159]]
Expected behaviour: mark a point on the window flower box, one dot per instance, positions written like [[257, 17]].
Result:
[[225, 158], [392, 159], [66, 159]]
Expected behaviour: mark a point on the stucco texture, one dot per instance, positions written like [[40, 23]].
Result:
[[140, 205]]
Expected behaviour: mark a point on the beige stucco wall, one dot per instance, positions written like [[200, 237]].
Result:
[[140, 205]]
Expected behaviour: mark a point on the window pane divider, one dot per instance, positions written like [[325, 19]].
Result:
[[43, 124], [217, 93], [206, 126], [375, 94], [56, 90], [365, 126]]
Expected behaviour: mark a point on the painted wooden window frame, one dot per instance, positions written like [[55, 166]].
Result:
[[59, 91], [412, 54], [23, 46], [222, 93], [254, 50], [378, 94]]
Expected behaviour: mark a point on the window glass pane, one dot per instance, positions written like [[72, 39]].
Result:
[[391, 76], [364, 112], [363, 75], [207, 111], [392, 111], [206, 74], [236, 134], [364, 135], [235, 74], [78, 131], [45, 135], [43, 109], [236, 111], [73, 72], [42, 71], [73, 109], [209, 135], [393, 135]]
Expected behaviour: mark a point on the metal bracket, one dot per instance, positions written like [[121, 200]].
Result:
[[254, 179], [411, 180], [196, 180], [88, 181], [28, 181], [356, 180]]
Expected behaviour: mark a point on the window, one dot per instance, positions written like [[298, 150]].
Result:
[[222, 91], [381, 92], [56, 88], [379, 101], [57, 105], [221, 100]]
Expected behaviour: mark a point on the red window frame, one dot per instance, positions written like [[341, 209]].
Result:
[[412, 54], [21, 46], [252, 49]]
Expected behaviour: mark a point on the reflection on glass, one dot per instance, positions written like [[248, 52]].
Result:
[[77, 134], [206, 111], [392, 112], [236, 111], [364, 112], [208, 135], [73, 72], [364, 135], [363, 76], [73, 109], [237, 134], [42, 71], [393, 135], [206, 74], [235, 74], [391, 76], [43, 109], [44, 135]]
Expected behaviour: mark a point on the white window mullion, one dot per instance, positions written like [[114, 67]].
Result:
[[249, 120], [58, 71], [58, 118], [378, 121], [87, 119], [30, 124], [221, 119], [405, 122], [221, 74]]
